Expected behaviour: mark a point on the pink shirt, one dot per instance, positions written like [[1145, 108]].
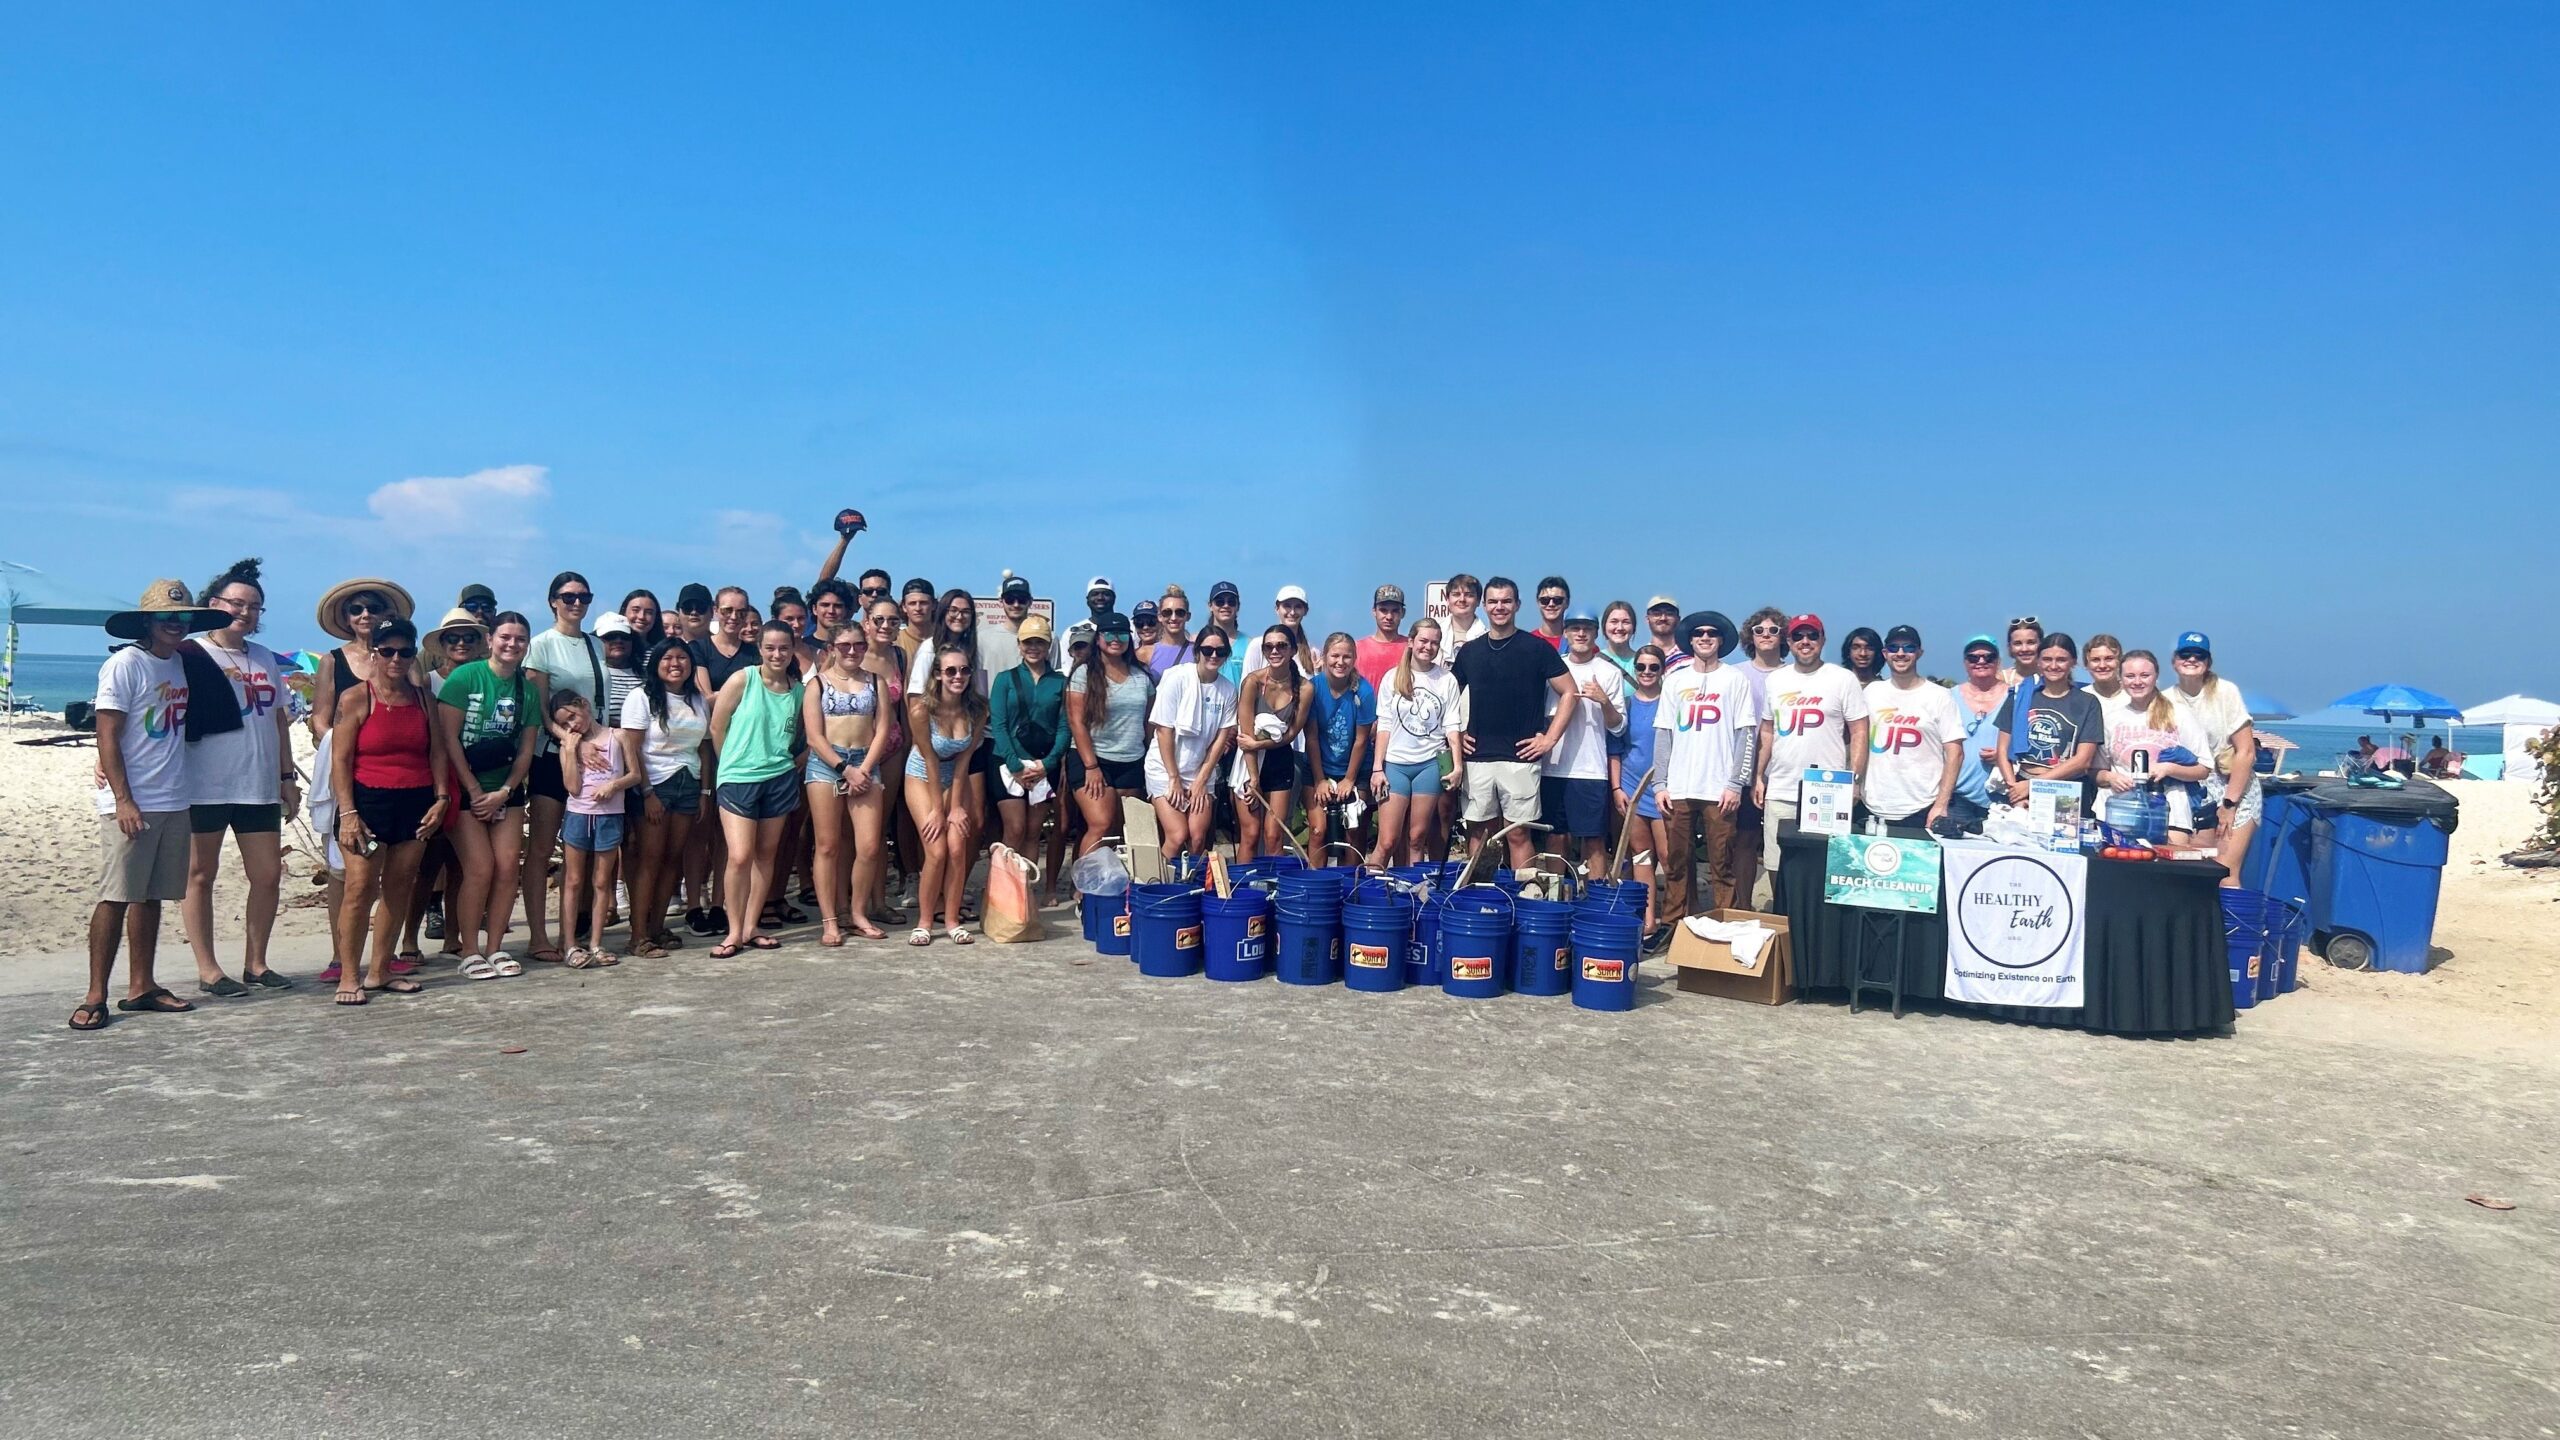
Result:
[[1375, 657]]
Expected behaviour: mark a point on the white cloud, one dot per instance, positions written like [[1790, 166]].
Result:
[[499, 501]]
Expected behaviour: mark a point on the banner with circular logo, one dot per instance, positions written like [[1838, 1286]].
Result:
[[2017, 925]]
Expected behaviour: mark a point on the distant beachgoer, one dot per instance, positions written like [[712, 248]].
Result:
[[143, 808], [240, 776]]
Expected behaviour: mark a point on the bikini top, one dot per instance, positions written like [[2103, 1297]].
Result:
[[946, 746], [864, 701]]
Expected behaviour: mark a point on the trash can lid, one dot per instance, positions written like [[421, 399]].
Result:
[[2411, 801]]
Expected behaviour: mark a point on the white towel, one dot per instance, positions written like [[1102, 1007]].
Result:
[[1747, 937]]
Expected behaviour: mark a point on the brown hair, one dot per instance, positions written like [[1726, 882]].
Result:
[[1403, 679]]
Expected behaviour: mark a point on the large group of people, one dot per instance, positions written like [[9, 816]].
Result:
[[680, 767]]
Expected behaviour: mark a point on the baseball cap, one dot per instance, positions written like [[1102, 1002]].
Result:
[[481, 593], [1033, 627], [1983, 642], [1099, 583], [1144, 612], [1660, 602], [693, 599], [1080, 633], [1014, 587], [2195, 640], [1388, 595], [612, 625], [1801, 621], [917, 586], [1290, 592], [1225, 592], [1110, 622], [1900, 634], [1581, 615]]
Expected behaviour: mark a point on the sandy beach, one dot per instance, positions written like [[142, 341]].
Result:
[[2498, 992]]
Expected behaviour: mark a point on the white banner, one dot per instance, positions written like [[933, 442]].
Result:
[[2017, 924]]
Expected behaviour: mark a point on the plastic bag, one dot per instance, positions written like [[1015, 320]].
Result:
[[1101, 873], [1011, 917]]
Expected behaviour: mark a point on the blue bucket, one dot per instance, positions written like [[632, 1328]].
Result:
[[1310, 950], [1473, 951], [1419, 949], [2297, 925], [1604, 960], [1166, 939], [1374, 936], [1106, 922], [2244, 935], [1542, 948], [1615, 897], [1238, 939]]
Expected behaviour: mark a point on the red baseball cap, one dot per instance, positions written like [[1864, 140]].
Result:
[[1802, 621]]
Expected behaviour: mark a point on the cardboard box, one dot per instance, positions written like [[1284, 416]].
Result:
[[1708, 967]]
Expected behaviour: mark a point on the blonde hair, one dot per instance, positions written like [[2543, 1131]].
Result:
[[1403, 680], [2160, 714]]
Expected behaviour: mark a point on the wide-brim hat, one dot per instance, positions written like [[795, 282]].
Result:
[[164, 600], [431, 640], [334, 602], [1691, 622]]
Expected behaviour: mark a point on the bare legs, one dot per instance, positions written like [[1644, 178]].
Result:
[[262, 862], [753, 848]]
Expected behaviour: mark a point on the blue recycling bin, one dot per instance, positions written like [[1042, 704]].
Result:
[[2374, 881]]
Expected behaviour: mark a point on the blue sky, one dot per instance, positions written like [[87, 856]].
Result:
[[2133, 319]]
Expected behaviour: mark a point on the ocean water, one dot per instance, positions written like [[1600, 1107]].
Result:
[[54, 681], [2323, 744]]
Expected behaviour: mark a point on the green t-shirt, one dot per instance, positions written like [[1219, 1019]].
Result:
[[492, 709]]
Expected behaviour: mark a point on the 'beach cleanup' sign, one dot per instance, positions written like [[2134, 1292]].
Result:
[[1880, 873], [2016, 925]]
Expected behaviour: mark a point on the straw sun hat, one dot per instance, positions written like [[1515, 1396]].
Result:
[[332, 615], [164, 600]]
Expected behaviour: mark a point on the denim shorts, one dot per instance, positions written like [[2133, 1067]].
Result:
[[815, 771], [769, 799], [680, 793], [592, 833], [1419, 777]]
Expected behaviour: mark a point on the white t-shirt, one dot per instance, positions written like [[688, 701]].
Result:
[[1703, 716], [1453, 635], [2129, 730], [1907, 736], [673, 744], [1583, 753], [241, 767], [563, 660], [1810, 715], [2220, 713], [151, 694], [1195, 711], [1417, 726]]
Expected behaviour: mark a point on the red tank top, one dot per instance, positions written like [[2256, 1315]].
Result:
[[391, 746]]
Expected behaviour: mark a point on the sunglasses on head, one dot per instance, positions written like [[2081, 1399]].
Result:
[[2024, 620]]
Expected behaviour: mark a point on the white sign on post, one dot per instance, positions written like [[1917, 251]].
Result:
[[1435, 600], [2017, 925]]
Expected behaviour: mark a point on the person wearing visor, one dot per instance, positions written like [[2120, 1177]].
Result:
[[1108, 697], [1194, 717], [1379, 650], [1915, 740], [1706, 740], [1290, 604], [2234, 793], [1817, 720]]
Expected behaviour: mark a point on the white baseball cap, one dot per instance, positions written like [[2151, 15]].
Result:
[[1099, 583], [1289, 593]]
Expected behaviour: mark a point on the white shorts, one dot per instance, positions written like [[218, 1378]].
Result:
[[1160, 783], [1503, 789]]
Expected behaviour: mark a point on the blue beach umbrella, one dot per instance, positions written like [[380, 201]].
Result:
[[2392, 701]]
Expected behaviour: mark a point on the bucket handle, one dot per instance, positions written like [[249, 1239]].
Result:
[[1508, 903]]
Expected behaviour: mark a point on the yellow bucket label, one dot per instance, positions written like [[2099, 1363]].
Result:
[[2253, 967], [1256, 926], [1120, 925], [1561, 953], [1595, 968], [1369, 957], [1470, 967], [1187, 938]]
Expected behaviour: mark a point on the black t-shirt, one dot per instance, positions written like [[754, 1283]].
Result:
[[2055, 728], [1507, 683], [716, 668]]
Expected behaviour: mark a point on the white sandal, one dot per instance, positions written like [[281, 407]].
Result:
[[505, 964], [920, 937], [960, 936], [479, 967]]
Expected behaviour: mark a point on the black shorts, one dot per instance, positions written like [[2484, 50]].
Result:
[[545, 782], [394, 815], [1276, 771], [1578, 809], [238, 819], [1118, 774]]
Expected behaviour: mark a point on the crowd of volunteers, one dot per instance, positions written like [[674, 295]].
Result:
[[687, 768]]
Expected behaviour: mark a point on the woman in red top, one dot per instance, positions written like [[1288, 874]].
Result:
[[385, 758]]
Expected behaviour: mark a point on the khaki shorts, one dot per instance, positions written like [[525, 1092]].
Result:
[[1502, 789], [148, 866]]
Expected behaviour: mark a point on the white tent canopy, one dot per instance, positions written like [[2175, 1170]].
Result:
[[2514, 710]]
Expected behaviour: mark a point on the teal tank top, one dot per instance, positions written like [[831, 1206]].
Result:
[[763, 731]]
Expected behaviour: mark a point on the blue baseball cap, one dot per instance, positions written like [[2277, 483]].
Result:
[[1582, 616], [2194, 640]]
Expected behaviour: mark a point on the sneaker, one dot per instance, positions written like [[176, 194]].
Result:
[[433, 926], [699, 922]]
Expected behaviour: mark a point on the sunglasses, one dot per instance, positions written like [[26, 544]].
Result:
[[455, 639], [1898, 648], [1804, 634], [2021, 620], [733, 609], [1706, 632], [1278, 647], [1219, 652], [574, 597], [953, 672], [1764, 629], [1549, 602], [1120, 635], [1644, 669], [2198, 656], [1173, 614], [875, 591], [396, 653], [368, 607], [476, 606], [1981, 657]]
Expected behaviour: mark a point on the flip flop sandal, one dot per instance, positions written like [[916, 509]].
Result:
[[507, 965], [270, 979], [226, 987], [725, 951], [479, 967], [157, 999], [407, 962], [395, 987], [868, 933], [833, 939], [763, 942], [355, 997], [548, 955], [647, 950], [96, 1012]]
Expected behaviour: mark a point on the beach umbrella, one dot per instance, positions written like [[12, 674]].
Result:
[[2390, 701], [2263, 706], [28, 596]]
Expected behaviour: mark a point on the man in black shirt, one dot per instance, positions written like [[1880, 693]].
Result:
[[1504, 678]]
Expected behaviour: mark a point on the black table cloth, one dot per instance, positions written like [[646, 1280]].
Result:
[[2155, 964]]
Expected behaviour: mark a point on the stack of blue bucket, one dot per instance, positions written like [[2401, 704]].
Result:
[[1377, 927], [1106, 922], [1472, 950], [2245, 933], [1608, 933], [1310, 914], [1541, 946], [1236, 934], [1165, 935]]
